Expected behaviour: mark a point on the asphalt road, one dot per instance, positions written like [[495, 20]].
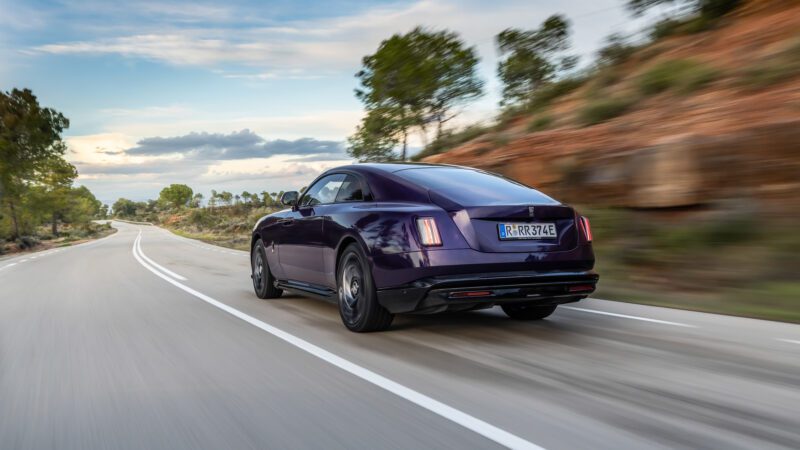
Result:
[[102, 348]]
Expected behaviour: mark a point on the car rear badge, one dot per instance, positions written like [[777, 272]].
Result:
[[530, 211]]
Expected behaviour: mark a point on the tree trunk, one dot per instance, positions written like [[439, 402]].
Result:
[[439, 128], [405, 144], [14, 219], [54, 228]]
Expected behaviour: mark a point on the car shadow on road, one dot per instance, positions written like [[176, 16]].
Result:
[[484, 325]]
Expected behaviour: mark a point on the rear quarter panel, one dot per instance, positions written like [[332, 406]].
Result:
[[382, 229]]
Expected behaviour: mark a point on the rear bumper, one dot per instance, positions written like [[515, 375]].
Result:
[[476, 291]]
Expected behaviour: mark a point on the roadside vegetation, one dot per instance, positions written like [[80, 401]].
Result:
[[39, 204], [225, 219], [728, 262]]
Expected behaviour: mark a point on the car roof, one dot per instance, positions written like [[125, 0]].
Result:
[[391, 166]]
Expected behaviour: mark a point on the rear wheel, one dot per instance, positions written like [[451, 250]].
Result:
[[263, 281], [358, 300], [528, 311]]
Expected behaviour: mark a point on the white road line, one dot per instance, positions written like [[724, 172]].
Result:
[[625, 316], [51, 251], [138, 244], [472, 423], [790, 341]]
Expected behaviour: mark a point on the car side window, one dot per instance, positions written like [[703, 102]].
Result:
[[323, 191], [350, 191]]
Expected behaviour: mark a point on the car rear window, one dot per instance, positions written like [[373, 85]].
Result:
[[472, 187]]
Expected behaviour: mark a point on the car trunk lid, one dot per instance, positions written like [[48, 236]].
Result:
[[479, 225]]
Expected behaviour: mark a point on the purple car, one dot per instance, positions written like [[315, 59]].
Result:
[[385, 239]]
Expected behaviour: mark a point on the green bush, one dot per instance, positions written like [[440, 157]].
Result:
[[665, 28], [256, 214], [500, 139], [551, 91], [684, 74], [540, 123], [775, 69], [712, 9], [688, 25], [615, 50], [27, 242], [697, 77], [600, 110]]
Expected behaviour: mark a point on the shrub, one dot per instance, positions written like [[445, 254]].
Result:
[[27, 242], [600, 110], [697, 77], [551, 91], [685, 74], [712, 9], [616, 50], [500, 139], [606, 77], [687, 25], [665, 28], [257, 213], [540, 123], [775, 69]]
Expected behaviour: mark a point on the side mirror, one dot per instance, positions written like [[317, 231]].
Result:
[[289, 198]]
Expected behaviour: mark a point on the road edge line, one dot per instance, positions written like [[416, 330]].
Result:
[[626, 316], [138, 243]]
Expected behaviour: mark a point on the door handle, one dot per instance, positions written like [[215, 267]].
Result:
[[286, 222]]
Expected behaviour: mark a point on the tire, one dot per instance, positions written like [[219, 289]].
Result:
[[263, 280], [358, 299], [527, 311]]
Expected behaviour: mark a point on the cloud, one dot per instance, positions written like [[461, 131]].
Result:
[[321, 157], [115, 165], [243, 144], [142, 168], [315, 47]]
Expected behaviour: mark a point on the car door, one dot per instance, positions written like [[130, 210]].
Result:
[[300, 250], [338, 218]]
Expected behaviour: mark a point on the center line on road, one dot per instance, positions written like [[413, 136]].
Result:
[[625, 316], [790, 341], [467, 421], [8, 265]]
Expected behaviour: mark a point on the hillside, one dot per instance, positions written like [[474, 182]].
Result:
[[685, 154], [669, 117]]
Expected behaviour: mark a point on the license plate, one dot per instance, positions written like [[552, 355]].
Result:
[[509, 231]]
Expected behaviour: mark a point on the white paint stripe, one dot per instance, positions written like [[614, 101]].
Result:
[[8, 265], [56, 250], [138, 243], [474, 424], [625, 316], [790, 341]]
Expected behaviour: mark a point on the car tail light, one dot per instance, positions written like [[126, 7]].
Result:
[[587, 229], [428, 232]]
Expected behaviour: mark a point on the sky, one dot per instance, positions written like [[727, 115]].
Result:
[[237, 95]]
